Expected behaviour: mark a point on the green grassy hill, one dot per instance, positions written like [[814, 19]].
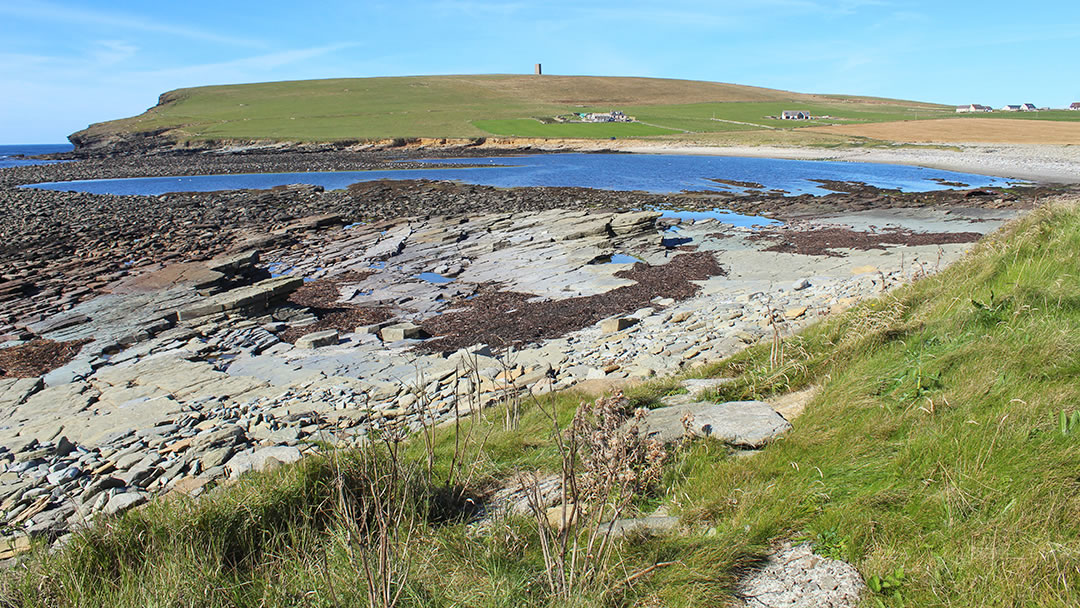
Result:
[[482, 106]]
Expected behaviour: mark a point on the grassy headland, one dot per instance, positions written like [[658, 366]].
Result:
[[482, 106], [933, 445]]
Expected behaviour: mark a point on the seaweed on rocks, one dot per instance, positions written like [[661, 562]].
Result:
[[826, 241], [504, 318], [37, 357], [321, 298]]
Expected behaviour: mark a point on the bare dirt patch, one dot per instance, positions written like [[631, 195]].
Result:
[[37, 357], [964, 130]]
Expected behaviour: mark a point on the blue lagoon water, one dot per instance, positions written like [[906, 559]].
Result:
[[8, 154], [656, 173]]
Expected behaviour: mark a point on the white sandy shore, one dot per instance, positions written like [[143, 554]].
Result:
[[1037, 163]]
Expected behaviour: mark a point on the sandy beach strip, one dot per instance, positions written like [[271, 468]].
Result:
[[1042, 163]]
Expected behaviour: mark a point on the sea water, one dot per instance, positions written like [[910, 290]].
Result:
[[654, 173]]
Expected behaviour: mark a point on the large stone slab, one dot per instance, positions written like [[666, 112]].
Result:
[[744, 424], [251, 296]]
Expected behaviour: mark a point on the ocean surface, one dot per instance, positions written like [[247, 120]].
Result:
[[657, 173], [9, 151]]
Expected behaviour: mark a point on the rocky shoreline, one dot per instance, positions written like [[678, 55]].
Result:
[[209, 334]]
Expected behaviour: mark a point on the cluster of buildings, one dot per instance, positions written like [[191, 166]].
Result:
[[612, 116], [1024, 107]]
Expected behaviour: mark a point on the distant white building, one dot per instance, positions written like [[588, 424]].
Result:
[[612, 116], [1010, 108], [972, 108], [795, 115], [1075, 106], [1028, 107]]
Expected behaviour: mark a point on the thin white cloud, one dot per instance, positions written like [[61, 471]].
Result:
[[57, 13], [255, 65], [479, 7], [112, 52]]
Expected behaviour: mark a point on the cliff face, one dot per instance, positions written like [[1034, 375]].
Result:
[[100, 142], [123, 137]]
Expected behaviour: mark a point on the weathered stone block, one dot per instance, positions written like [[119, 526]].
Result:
[[401, 331], [318, 339], [610, 326]]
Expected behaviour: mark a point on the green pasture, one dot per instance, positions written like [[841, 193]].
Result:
[[480, 106]]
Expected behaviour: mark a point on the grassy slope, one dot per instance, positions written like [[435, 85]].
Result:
[[479, 106], [932, 446]]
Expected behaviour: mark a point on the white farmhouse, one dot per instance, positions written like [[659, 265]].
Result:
[[972, 108], [795, 115]]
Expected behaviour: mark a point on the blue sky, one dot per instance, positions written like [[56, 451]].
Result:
[[65, 64]]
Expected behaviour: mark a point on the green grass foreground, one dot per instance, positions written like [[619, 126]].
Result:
[[933, 445]]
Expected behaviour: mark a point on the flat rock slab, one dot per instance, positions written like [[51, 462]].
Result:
[[194, 274], [794, 577], [72, 372], [15, 391], [744, 424]]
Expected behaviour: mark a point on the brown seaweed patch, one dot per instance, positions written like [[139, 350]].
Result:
[[37, 357], [826, 241], [505, 318]]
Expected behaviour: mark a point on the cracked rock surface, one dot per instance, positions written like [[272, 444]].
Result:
[[796, 577]]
